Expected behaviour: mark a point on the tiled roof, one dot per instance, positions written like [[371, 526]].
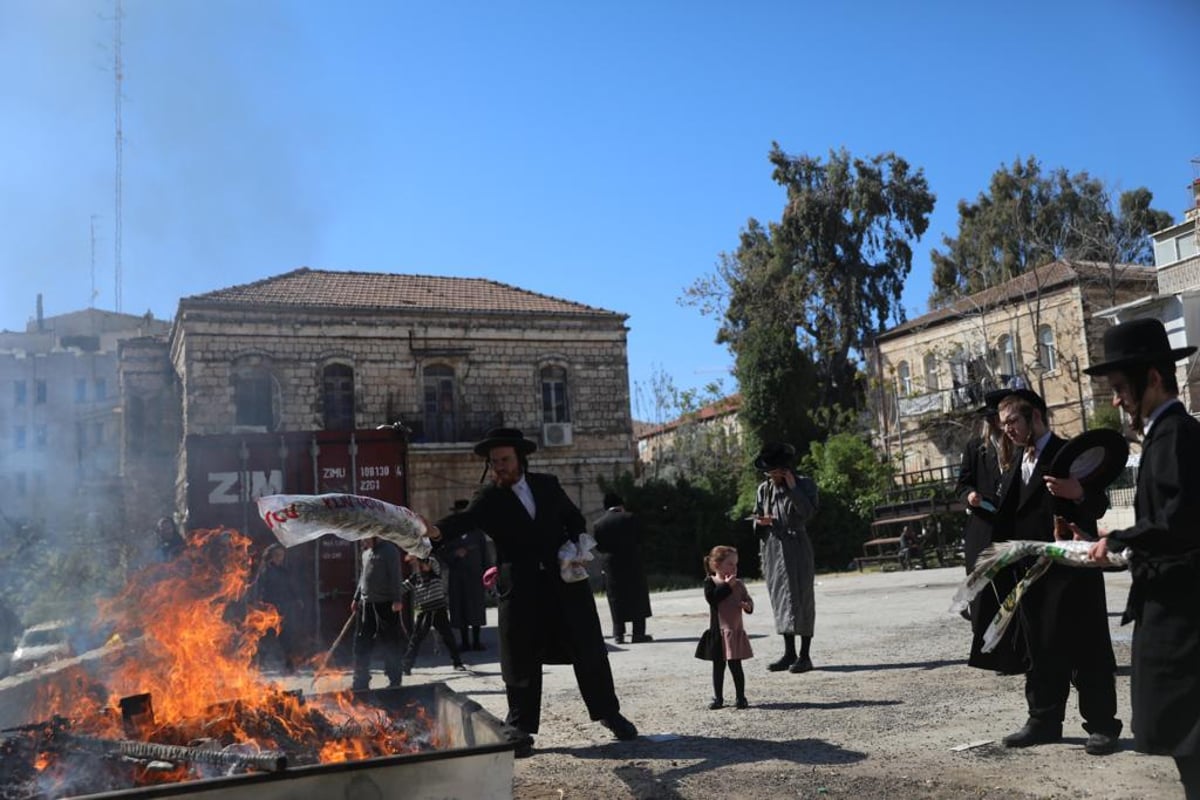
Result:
[[1028, 284], [313, 288], [731, 404]]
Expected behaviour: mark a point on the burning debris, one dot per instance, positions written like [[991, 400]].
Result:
[[186, 701]]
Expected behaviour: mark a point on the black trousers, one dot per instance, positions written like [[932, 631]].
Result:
[[595, 685], [639, 626], [377, 625], [439, 620], [1047, 692]]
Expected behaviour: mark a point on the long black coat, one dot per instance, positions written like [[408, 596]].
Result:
[[541, 617], [1062, 621], [979, 472], [619, 535], [1165, 598]]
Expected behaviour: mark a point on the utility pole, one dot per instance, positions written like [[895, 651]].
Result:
[[118, 77]]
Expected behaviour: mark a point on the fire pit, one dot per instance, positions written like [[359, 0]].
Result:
[[457, 749]]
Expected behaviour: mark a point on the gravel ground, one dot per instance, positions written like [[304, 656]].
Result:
[[879, 717]]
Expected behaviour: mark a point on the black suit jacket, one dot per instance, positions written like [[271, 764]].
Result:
[[542, 618], [1062, 621], [1165, 598], [979, 472]]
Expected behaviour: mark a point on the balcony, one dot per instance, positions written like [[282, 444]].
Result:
[[450, 428]]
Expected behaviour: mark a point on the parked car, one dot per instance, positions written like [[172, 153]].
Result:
[[41, 644]]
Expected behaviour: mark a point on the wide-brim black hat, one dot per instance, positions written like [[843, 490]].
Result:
[[775, 455], [1034, 399], [505, 437], [1094, 457], [1139, 341]]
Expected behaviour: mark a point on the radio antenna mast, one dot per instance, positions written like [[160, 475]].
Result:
[[118, 77]]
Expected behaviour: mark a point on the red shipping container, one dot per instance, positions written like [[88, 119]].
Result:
[[227, 472]]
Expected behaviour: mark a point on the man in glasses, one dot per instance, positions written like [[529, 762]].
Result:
[[1060, 633]]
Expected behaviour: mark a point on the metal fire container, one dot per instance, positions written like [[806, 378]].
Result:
[[476, 761]]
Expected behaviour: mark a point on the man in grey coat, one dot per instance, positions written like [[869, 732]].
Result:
[[783, 505]]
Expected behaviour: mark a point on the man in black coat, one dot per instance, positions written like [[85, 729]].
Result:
[[541, 617], [1061, 629], [619, 535], [1164, 601], [979, 475]]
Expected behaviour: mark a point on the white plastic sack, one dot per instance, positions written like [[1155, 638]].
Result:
[[299, 518], [573, 556]]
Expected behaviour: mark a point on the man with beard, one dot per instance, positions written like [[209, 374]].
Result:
[[1061, 631], [1164, 601], [542, 618], [783, 504]]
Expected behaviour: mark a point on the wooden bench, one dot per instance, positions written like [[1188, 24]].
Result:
[[881, 551]]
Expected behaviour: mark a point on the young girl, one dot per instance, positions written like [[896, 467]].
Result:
[[726, 640]]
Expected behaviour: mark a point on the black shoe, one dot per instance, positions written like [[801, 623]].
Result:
[[619, 638], [524, 748], [802, 664], [621, 728], [716, 703], [1101, 744], [459, 666], [408, 670], [394, 684], [741, 703], [642, 638], [781, 664], [1033, 734]]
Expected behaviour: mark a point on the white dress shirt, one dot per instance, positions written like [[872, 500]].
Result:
[[525, 495], [1030, 458]]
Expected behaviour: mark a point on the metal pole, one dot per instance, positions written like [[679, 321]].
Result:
[[1079, 388]]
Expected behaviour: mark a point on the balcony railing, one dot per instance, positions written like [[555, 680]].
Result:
[[449, 429], [944, 401]]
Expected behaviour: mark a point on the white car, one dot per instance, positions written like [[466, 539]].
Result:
[[41, 644]]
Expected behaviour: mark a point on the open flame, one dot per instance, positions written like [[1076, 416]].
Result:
[[186, 678]]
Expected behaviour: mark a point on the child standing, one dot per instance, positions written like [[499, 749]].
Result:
[[428, 595], [725, 641]]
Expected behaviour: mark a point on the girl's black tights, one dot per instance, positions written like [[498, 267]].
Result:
[[739, 678]]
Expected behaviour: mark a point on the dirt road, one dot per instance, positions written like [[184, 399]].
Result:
[[880, 716]]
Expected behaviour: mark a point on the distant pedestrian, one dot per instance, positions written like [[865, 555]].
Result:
[[619, 534], [466, 557], [274, 586], [783, 505], [725, 641], [377, 605], [425, 590]]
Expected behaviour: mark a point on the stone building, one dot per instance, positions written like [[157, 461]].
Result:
[[707, 426], [444, 359], [1038, 330], [60, 419]]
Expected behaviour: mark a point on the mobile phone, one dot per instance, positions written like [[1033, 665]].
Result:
[[987, 505]]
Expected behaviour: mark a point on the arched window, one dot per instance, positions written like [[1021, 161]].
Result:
[[1007, 355], [337, 395], [905, 376], [554, 395], [254, 391], [1047, 352], [439, 404], [931, 372]]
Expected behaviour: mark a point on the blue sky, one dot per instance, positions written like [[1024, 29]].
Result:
[[601, 152]]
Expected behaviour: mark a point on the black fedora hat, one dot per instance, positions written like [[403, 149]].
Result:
[[775, 455], [1028, 395], [504, 437], [1094, 457], [1139, 341]]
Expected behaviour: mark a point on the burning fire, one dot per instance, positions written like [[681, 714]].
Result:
[[184, 683]]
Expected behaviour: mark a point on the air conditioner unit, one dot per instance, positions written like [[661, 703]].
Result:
[[556, 434]]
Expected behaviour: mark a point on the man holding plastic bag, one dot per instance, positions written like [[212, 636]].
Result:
[[547, 613]]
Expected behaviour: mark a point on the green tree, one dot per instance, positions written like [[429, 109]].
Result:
[[804, 297], [1029, 217], [852, 481]]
